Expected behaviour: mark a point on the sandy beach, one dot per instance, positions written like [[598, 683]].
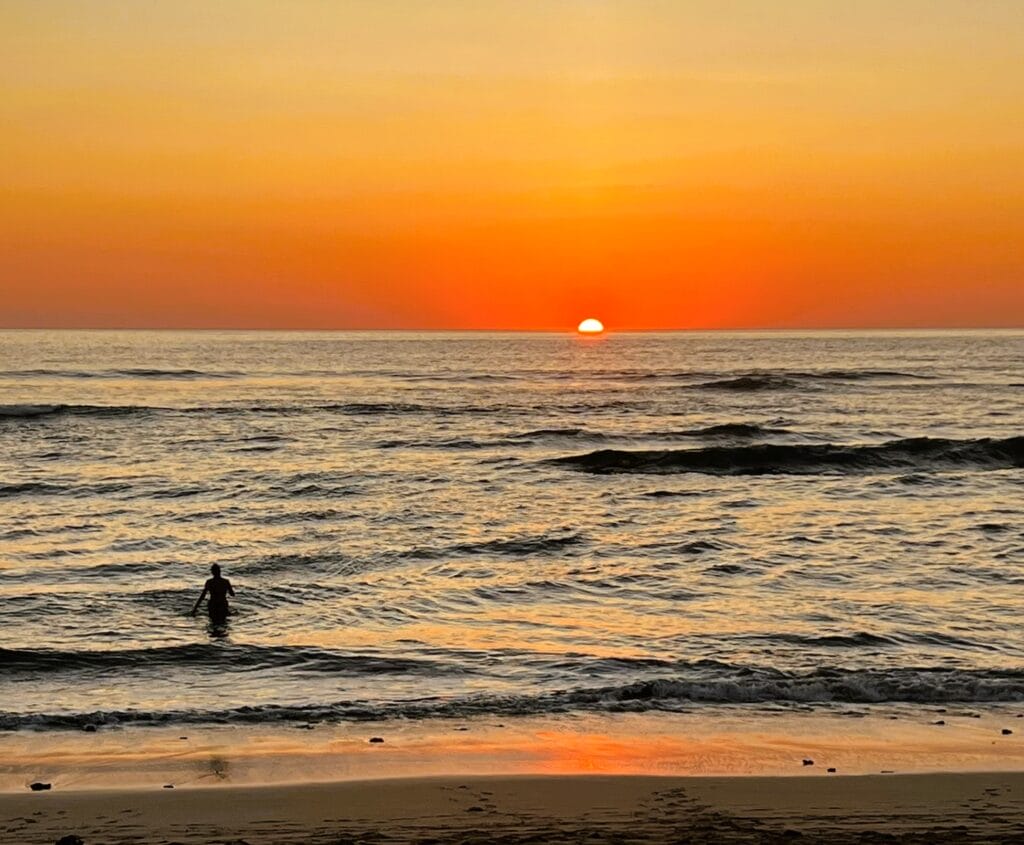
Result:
[[951, 808], [626, 778]]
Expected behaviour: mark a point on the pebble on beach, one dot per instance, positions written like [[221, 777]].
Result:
[[939, 722], [831, 771], [1007, 732], [39, 787], [808, 762], [376, 739]]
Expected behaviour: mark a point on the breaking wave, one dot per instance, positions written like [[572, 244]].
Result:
[[701, 683]]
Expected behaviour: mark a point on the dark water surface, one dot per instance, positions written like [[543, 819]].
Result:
[[429, 524]]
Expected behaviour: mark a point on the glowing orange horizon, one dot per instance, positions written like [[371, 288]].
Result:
[[373, 166]]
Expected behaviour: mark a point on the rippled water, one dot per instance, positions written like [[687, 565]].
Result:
[[428, 524]]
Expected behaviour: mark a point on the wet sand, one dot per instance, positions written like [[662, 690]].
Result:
[[630, 778], [974, 807], [727, 742]]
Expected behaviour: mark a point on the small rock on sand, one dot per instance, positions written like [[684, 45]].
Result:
[[831, 771], [1007, 732], [939, 722], [376, 739], [39, 787], [808, 762], [168, 786]]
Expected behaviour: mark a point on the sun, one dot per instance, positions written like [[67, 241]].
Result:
[[590, 326]]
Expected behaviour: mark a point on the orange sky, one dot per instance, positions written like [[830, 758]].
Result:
[[520, 165]]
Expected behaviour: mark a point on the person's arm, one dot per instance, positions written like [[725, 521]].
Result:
[[199, 600], [231, 591]]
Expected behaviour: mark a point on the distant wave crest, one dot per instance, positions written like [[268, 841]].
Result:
[[794, 379], [119, 373]]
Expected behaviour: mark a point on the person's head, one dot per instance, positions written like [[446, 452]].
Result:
[[215, 569]]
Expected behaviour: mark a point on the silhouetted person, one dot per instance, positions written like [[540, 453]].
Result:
[[218, 589]]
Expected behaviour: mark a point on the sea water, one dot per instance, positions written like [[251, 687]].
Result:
[[435, 525]]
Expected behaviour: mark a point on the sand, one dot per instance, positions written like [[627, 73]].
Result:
[[624, 779], [974, 807]]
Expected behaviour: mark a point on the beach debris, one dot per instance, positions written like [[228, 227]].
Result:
[[89, 729], [71, 839], [182, 737], [39, 787], [376, 739], [808, 762], [168, 786], [831, 770], [939, 722], [1007, 732]]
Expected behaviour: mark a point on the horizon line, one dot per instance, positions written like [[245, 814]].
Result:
[[560, 330]]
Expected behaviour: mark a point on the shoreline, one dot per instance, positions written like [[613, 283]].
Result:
[[951, 807], [722, 743]]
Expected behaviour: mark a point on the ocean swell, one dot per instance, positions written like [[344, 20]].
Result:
[[918, 454], [222, 657]]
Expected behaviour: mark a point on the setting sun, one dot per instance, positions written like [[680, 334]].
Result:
[[590, 326]]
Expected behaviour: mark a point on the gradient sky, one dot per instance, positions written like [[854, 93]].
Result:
[[521, 165]]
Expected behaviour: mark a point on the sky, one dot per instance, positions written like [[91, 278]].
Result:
[[472, 164]]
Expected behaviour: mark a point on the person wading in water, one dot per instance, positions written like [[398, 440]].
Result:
[[219, 589]]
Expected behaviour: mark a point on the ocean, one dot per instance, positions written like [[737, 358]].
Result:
[[427, 526]]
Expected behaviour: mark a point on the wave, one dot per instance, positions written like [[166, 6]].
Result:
[[731, 429], [701, 683], [542, 544], [737, 430], [749, 430], [118, 373], [749, 383], [915, 454], [43, 488], [557, 433], [223, 657], [27, 411], [791, 379]]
